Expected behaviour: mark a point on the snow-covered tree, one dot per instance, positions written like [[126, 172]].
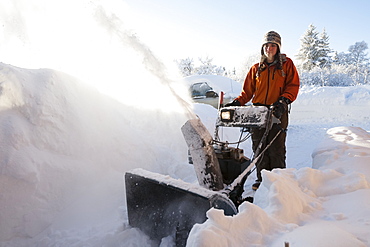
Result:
[[323, 50], [359, 60], [315, 50], [186, 66], [232, 74], [219, 70], [356, 62], [358, 54], [206, 67], [247, 64], [309, 52]]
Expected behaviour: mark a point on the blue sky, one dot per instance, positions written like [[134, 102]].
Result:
[[32, 34], [230, 31]]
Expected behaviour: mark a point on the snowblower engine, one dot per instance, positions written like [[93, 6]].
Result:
[[232, 161]]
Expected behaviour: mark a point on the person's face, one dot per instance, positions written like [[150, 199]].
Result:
[[270, 50]]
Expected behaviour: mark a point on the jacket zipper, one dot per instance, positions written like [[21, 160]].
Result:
[[268, 84]]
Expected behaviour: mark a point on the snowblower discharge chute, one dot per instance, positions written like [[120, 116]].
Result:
[[162, 206]]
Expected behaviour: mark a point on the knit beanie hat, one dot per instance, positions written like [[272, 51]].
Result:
[[271, 37]]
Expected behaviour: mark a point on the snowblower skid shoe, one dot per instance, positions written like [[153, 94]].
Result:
[[161, 206]]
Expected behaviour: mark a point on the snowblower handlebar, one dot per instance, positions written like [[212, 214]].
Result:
[[246, 116]]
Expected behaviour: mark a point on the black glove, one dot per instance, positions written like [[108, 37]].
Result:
[[280, 107], [233, 103]]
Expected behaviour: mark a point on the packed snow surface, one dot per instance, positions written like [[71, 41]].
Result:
[[65, 148]]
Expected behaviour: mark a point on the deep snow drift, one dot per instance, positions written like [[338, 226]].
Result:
[[65, 148]]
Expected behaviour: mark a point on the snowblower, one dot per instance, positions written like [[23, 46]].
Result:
[[162, 206]]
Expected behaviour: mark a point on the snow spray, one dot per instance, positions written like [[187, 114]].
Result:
[[87, 39], [113, 24]]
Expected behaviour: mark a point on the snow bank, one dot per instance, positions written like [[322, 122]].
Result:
[[305, 207], [251, 226], [64, 150], [347, 149]]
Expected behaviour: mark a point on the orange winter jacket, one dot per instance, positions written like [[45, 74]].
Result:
[[271, 84]]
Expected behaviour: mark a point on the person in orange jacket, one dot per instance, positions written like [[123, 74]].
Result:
[[272, 81]]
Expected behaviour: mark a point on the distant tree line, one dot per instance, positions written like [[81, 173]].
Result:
[[320, 65], [206, 67], [316, 62]]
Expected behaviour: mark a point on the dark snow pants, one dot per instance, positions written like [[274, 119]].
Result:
[[275, 155]]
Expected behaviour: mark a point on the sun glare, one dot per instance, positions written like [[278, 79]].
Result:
[[90, 40]]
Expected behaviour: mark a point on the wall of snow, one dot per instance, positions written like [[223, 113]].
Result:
[[61, 140]]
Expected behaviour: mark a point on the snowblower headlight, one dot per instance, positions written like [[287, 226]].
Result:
[[227, 115]]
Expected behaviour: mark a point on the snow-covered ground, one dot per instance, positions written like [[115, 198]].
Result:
[[65, 148]]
